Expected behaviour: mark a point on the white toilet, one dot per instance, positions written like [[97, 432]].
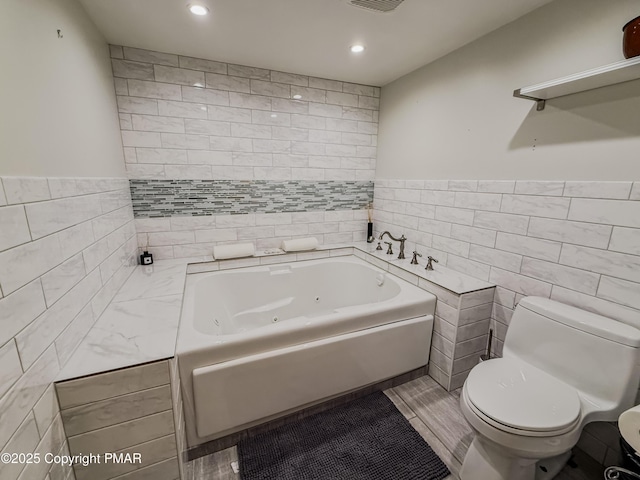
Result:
[[562, 368]]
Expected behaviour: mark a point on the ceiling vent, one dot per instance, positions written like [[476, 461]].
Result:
[[382, 6]]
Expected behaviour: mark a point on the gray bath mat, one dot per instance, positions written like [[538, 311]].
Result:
[[367, 439]]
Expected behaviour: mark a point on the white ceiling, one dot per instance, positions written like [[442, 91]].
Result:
[[310, 37]]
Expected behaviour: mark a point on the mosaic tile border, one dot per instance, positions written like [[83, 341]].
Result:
[[169, 198]]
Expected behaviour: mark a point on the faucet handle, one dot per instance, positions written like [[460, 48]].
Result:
[[389, 250], [430, 259], [414, 260], [379, 247]]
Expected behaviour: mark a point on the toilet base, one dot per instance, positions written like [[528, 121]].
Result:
[[483, 461]]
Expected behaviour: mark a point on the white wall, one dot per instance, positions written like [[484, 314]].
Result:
[[456, 118], [58, 114]]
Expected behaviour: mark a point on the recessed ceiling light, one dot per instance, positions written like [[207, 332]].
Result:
[[273, 115], [198, 9], [357, 48], [297, 97]]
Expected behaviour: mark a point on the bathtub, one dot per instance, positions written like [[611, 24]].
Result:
[[260, 342]]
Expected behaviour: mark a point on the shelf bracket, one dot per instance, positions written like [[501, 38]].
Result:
[[540, 103]]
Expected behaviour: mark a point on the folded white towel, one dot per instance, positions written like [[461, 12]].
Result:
[[299, 244], [221, 252]]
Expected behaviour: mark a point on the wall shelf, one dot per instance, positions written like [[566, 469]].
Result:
[[606, 75]]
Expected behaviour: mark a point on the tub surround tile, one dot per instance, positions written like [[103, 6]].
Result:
[[25, 189]]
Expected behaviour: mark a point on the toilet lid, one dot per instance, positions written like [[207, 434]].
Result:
[[518, 395]]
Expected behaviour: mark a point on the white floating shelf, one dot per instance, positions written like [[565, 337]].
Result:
[[606, 75]]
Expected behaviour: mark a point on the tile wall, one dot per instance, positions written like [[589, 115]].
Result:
[[575, 242], [66, 247], [184, 118]]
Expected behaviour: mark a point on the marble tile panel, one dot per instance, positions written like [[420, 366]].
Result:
[[608, 212], [24, 394], [205, 95], [154, 123], [91, 416], [116, 51], [340, 98], [450, 245], [42, 332], [3, 198], [497, 258], [602, 261], [157, 281], [147, 89], [573, 278], [10, 367], [324, 110], [550, 207], [520, 283], [479, 297], [270, 89], [625, 240], [471, 315], [58, 281], [178, 76], [369, 103], [289, 106], [308, 121], [52, 216], [23, 264], [635, 191], [161, 156], [325, 84], [612, 190], [129, 69], [25, 439], [531, 247], [20, 308], [250, 131], [503, 222], [202, 65], [46, 409], [206, 127], [15, 229], [243, 100], [620, 291], [536, 187], [25, 189], [588, 234], [289, 78], [149, 56]]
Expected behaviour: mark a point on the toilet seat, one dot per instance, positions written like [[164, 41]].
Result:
[[516, 397]]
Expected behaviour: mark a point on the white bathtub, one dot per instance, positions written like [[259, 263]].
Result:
[[257, 343]]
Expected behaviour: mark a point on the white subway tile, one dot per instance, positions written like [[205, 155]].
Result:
[[535, 187], [62, 187], [287, 133], [289, 106], [3, 198], [207, 127], [161, 239], [141, 139], [341, 125], [308, 121], [356, 139], [116, 51], [450, 245], [490, 256], [478, 201], [229, 114], [205, 95], [597, 305], [155, 123], [323, 110], [216, 235], [129, 69], [172, 108], [145, 106], [479, 236], [340, 150], [205, 157], [360, 114], [25, 439], [161, 156], [178, 76], [145, 171], [289, 78], [269, 89], [504, 297], [435, 227], [202, 65], [520, 283], [120, 86], [614, 190], [620, 291], [454, 215], [339, 98], [25, 189], [324, 136], [147, 89], [625, 240], [466, 266], [249, 72], [531, 247], [310, 94], [496, 186], [635, 191], [602, 261], [149, 56], [15, 230], [192, 142], [10, 367], [269, 118], [570, 232], [61, 279], [609, 212], [551, 207], [369, 103], [271, 146], [463, 185], [573, 278], [436, 197], [256, 102], [55, 215], [197, 172], [358, 89], [325, 84]]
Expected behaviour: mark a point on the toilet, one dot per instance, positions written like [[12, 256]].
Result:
[[562, 368]]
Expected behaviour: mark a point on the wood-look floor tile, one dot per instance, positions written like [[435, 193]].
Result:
[[399, 403], [437, 446]]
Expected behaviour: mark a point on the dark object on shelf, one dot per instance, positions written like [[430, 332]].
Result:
[[631, 38], [146, 258], [370, 232]]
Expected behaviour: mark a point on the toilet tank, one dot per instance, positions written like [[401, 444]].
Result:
[[599, 356]]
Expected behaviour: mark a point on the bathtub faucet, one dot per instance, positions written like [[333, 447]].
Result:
[[402, 239]]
